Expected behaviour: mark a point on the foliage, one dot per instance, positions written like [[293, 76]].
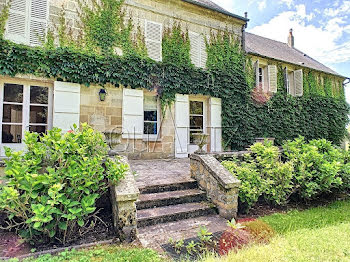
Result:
[[260, 231], [4, 14], [302, 234], [318, 167], [306, 171], [52, 188], [176, 46], [102, 253], [233, 239]]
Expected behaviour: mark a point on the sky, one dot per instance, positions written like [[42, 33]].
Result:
[[321, 27]]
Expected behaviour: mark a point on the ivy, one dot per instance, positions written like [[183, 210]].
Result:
[[176, 46], [4, 14]]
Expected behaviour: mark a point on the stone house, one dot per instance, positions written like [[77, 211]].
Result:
[[133, 117]]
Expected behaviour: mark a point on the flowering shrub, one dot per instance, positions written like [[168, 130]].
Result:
[[52, 188]]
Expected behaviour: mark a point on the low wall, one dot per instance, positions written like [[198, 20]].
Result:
[[221, 186], [123, 197]]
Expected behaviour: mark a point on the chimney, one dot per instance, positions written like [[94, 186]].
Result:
[[291, 39]]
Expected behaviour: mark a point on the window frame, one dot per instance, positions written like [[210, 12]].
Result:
[[151, 137], [204, 115], [25, 107]]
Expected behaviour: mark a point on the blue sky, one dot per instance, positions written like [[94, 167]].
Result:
[[321, 27]]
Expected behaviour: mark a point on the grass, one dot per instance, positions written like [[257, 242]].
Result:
[[102, 254], [317, 234]]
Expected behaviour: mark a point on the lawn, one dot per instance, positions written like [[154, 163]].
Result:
[[102, 254], [317, 234]]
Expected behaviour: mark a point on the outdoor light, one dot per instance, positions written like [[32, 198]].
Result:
[[102, 94]]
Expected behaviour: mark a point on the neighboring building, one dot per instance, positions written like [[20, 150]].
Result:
[[36, 104], [266, 54]]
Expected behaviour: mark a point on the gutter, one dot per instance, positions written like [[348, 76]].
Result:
[[217, 10]]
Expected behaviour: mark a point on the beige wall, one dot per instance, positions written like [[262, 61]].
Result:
[[106, 116]]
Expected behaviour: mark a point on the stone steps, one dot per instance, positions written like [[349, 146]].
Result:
[[169, 198], [153, 216], [174, 186]]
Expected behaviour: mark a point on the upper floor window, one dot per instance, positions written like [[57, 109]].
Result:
[[153, 38], [24, 107], [294, 82], [198, 50], [261, 76], [27, 22]]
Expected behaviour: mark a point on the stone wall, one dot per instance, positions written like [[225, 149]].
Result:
[[106, 116], [221, 186], [123, 197]]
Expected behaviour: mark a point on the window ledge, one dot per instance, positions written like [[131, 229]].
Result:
[[152, 139]]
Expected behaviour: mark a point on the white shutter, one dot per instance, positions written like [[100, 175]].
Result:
[[256, 68], [298, 82], [272, 72], [182, 123], [204, 55], [153, 36], [38, 21], [215, 125], [195, 51], [132, 113], [17, 24], [66, 108]]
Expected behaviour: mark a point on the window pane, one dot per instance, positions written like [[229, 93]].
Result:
[[12, 114], [38, 114], [150, 103], [11, 134], [196, 122], [150, 115], [38, 129], [150, 128], [39, 95], [196, 108], [192, 137], [13, 93]]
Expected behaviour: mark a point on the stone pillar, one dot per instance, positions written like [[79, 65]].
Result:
[[220, 185], [124, 196]]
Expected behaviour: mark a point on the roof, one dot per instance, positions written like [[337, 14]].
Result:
[[269, 48], [214, 7]]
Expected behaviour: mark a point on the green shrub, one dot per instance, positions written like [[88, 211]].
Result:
[[305, 170], [318, 166], [52, 188]]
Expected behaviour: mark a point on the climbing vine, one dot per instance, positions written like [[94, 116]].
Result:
[[4, 14], [176, 46]]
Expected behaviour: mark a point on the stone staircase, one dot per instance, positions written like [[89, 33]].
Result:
[[171, 202]]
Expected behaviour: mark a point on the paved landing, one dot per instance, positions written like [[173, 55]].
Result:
[[157, 235], [161, 171]]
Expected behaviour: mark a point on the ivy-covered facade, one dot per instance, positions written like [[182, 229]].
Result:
[[151, 75]]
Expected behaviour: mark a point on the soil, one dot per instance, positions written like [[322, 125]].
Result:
[[11, 245]]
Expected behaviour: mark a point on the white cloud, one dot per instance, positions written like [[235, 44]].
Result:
[[320, 42], [342, 9], [289, 3], [262, 5]]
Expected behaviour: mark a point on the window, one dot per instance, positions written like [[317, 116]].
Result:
[[27, 22], [196, 118], [150, 114], [25, 107], [261, 76], [153, 39]]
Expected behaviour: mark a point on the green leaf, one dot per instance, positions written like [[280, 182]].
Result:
[[62, 225]]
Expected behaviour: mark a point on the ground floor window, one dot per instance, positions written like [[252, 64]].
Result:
[[25, 107], [150, 110], [196, 118]]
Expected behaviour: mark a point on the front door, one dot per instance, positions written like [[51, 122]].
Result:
[[198, 109]]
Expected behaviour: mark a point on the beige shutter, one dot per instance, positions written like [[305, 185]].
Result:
[[132, 113], [66, 108], [182, 124], [195, 51], [203, 55], [215, 125], [17, 24], [38, 21], [272, 73], [298, 82], [153, 36], [256, 68]]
